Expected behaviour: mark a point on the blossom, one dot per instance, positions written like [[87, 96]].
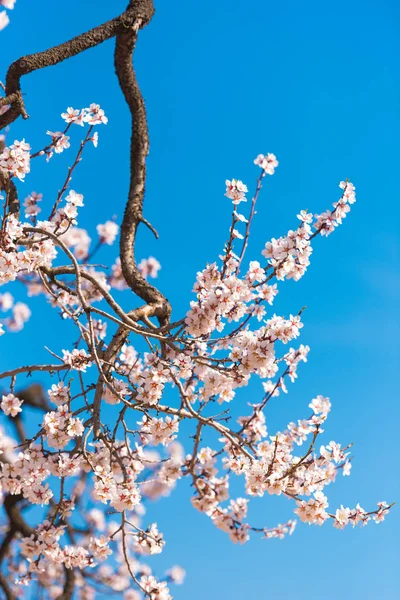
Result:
[[73, 116], [31, 204], [99, 548], [305, 217], [313, 511], [77, 359], [99, 328], [21, 314], [11, 405], [74, 198], [59, 393], [114, 397], [229, 336], [108, 232], [176, 574], [4, 20], [78, 239], [117, 280], [8, 4], [16, 158], [126, 496], [320, 405], [158, 431], [94, 115], [156, 590], [382, 512], [60, 141], [268, 163], [6, 301], [61, 426], [149, 267], [150, 541], [347, 468], [236, 190], [341, 517]]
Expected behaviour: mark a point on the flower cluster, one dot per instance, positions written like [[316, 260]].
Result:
[[110, 438], [59, 142], [268, 163], [236, 190], [15, 159], [11, 405], [329, 220], [79, 360], [20, 312], [149, 267], [94, 115], [61, 427], [31, 204], [108, 232], [158, 431]]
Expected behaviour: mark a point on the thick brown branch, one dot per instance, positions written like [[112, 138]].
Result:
[[125, 44], [6, 543], [156, 304], [9, 594], [13, 513], [69, 585], [139, 9]]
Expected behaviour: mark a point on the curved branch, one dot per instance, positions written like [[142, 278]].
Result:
[[140, 9], [9, 594], [125, 45], [14, 516], [156, 304], [69, 585]]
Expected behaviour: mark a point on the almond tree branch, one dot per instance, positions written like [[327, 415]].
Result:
[[69, 585], [125, 45], [138, 9], [9, 594]]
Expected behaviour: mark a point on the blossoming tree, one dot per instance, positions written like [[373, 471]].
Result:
[[102, 448]]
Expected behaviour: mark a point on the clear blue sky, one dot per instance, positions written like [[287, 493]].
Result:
[[318, 84]]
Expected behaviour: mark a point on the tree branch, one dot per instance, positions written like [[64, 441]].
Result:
[[139, 9], [69, 585], [9, 594], [125, 45]]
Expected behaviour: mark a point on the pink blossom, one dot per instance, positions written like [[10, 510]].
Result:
[[149, 267], [236, 190], [77, 359], [268, 163], [4, 20], [108, 232], [11, 405], [8, 4], [73, 116]]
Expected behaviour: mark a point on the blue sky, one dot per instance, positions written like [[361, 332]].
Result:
[[317, 84]]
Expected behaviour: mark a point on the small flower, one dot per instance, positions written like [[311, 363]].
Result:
[[94, 115], [149, 267], [268, 163], [11, 405], [60, 142], [4, 20], [73, 116], [236, 190], [108, 232]]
